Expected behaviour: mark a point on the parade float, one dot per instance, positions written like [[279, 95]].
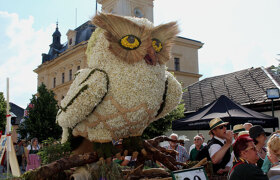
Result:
[[125, 88]]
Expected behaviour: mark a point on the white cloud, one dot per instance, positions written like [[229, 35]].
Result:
[[25, 46]]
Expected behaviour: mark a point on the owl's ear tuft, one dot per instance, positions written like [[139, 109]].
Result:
[[166, 34], [116, 28]]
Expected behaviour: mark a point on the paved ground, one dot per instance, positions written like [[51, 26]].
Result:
[[3, 174]]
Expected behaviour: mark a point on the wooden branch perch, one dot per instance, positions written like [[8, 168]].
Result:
[[60, 165]]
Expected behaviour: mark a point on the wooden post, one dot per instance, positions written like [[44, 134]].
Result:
[[10, 151], [8, 128]]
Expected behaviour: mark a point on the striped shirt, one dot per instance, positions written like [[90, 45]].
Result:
[[183, 156]]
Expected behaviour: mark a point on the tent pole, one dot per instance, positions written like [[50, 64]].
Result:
[[272, 109]]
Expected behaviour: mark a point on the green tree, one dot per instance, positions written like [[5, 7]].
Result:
[[275, 69], [160, 126], [3, 109], [53, 150], [41, 119]]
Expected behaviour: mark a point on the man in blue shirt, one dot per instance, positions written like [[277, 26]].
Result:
[[182, 156]]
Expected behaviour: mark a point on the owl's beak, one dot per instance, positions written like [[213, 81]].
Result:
[[151, 56]]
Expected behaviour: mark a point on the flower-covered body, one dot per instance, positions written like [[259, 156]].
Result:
[[114, 99]]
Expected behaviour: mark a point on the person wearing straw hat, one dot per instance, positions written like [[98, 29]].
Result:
[[219, 146], [243, 133], [237, 129]]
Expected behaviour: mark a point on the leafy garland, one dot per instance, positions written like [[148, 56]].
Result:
[[72, 100], [162, 105], [85, 88], [107, 88]]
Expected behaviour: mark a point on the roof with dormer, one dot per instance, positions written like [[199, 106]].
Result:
[[245, 87], [83, 33], [17, 111]]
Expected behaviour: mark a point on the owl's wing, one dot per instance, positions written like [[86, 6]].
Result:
[[172, 96], [87, 90]]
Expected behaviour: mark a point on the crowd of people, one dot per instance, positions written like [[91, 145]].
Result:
[[243, 153], [26, 153], [246, 152]]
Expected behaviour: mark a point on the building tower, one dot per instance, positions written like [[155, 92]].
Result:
[[56, 39], [137, 8], [55, 47]]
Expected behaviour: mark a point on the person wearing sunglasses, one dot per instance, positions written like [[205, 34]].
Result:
[[245, 167], [203, 143], [198, 146], [219, 146]]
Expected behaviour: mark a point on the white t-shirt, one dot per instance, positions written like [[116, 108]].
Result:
[[129, 158], [33, 148], [216, 147]]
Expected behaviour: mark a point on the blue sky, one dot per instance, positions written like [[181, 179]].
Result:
[[237, 34]]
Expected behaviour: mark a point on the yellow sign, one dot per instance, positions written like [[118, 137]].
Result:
[[3, 146], [12, 155]]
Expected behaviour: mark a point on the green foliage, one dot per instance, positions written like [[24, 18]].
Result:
[[159, 127], [104, 171], [53, 150], [275, 69], [41, 121], [7, 176], [3, 109]]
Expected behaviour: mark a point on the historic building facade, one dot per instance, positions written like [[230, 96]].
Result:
[[64, 60]]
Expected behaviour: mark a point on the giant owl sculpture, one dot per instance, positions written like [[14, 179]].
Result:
[[126, 86]]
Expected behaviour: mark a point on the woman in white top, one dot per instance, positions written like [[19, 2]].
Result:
[[33, 160]]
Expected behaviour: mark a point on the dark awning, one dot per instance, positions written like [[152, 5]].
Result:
[[228, 111]]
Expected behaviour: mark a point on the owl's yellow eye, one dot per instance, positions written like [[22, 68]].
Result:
[[156, 45], [130, 42]]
